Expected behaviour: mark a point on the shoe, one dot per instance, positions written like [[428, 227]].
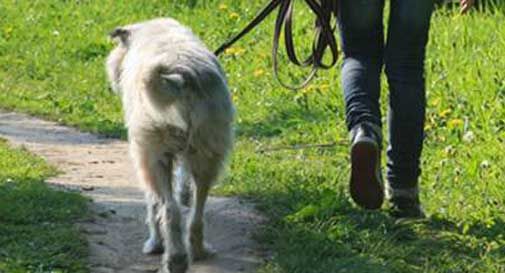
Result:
[[405, 203], [366, 178]]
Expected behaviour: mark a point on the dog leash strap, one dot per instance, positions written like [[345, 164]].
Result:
[[288, 38], [284, 18], [324, 37], [258, 19]]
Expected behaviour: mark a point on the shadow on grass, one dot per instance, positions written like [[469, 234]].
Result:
[[280, 121], [106, 128], [36, 228], [329, 234]]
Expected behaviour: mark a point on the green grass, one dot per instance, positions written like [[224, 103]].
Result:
[[51, 63], [36, 222]]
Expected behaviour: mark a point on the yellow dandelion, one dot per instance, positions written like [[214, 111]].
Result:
[[234, 51], [234, 15], [234, 95], [454, 123], [259, 72], [223, 7], [307, 90], [324, 87], [241, 51], [229, 51], [7, 32], [431, 119], [436, 102], [445, 113]]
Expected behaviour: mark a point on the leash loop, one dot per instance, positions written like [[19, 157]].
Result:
[[324, 36]]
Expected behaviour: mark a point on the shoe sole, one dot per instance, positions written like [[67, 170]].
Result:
[[365, 187]]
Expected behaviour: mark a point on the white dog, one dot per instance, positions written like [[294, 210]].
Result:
[[179, 115]]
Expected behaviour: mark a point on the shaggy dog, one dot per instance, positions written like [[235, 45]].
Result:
[[179, 115]]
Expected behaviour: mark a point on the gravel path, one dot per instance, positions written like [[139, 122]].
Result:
[[100, 169]]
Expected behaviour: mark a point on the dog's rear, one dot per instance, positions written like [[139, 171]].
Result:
[[179, 114]]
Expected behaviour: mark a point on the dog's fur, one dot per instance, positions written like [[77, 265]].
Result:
[[179, 115]]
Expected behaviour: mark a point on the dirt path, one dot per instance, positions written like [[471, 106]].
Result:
[[101, 170]]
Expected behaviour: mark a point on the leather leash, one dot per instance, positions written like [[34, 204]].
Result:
[[324, 37]]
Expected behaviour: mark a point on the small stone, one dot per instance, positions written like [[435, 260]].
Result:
[[87, 188], [485, 164], [469, 136], [103, 214]]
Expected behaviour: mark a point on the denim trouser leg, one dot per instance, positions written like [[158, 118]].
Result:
[[409, 25], [360, 23], [361, 28]]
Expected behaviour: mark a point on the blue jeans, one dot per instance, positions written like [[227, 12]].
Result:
[[403, 54]]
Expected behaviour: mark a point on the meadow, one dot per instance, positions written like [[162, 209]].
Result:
[[291, 152]]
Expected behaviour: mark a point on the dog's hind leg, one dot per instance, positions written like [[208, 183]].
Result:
[[146, 172], [175, 258], [204, 170], [154, 244], [183, 184], [164, 216]]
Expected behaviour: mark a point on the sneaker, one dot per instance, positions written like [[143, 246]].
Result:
[[404, 203], [366, 178]]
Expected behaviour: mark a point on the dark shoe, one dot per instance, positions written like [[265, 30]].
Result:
[[366, 178], [405, 203]]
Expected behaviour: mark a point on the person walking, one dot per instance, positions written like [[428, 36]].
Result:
[[402, 53]]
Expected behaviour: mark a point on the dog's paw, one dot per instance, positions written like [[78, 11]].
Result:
[[202, 253], [175, 263], [153, 246]]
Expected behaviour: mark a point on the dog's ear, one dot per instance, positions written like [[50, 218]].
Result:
[[122, 34]]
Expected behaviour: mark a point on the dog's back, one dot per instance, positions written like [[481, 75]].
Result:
[[169, 78], [178, 110]]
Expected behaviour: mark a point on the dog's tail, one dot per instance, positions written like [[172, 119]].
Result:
[[173, 81], [172, 77], [164, 80]]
